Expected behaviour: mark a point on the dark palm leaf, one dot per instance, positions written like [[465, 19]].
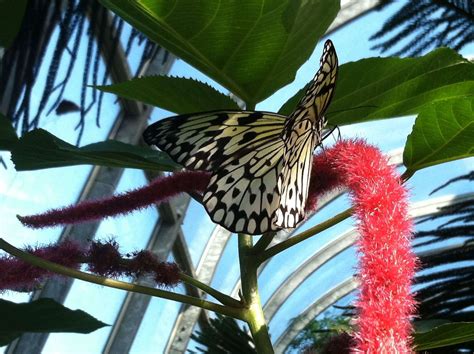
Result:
[[72, 20], [426, 24], [223, 335]]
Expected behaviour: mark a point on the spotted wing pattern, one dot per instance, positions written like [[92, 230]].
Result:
[[242, 194], [302, 133]]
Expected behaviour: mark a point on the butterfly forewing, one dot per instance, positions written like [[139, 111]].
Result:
[[201, 141], [302, 133]]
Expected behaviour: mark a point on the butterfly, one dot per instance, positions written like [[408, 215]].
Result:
[[260, 162]]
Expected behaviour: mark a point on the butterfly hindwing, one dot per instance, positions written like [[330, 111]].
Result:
[[242, 194]]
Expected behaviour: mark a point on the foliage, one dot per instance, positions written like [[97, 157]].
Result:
[[250, 47], [448, 334], [444, 292], [425, 24], [39, 149], [223, 335], [11, 14], [175, 94], [7, 134], [439, 134], [380, 88], [43, 315], [77, 23], [428, 85]]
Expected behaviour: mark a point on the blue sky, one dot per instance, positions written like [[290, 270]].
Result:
[[31, 192]]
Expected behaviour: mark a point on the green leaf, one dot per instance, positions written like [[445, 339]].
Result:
[[11, 16], [443, 132], [8, 137], [39, 149], [423, 326], [43, 315], [377, 88], [445, 335], [251, 47], [175, 94]]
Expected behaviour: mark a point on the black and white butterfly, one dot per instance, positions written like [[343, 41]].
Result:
[[260, 161]]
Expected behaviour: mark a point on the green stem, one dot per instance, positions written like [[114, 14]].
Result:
[[250, 106], [263, 242], [73, 273], [223, 298], [303, 236], [254, 311]]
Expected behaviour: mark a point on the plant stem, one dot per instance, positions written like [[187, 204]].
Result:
[[73, 273], [223, 298], [254, 311], [407, 175], [263, 242], [302, 236]]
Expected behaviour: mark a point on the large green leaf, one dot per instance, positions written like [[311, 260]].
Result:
[[175, 94], [377, 88], [43, 315], [11, 15], [251, 47], [445, 335], [39, 149], [443, 132], [8, 137]]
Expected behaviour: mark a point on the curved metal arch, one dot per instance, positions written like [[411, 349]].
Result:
[[188, 316], [311, 265], [332, 296]]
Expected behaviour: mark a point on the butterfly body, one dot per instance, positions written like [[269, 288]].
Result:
[[260, 161]]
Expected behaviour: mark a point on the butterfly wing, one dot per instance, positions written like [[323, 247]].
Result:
[[202, 141], [303, 132], [242, 195], [261, 163], [243, 150]]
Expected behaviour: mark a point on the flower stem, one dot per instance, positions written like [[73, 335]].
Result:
[[73, 273], [254, 311], [223, 298], [303, 236]]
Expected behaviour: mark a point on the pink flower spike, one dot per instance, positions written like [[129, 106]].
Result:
[[102, 258], [156, 192], [387, 264]]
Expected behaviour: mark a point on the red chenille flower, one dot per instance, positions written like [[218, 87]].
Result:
[[386, 262]]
